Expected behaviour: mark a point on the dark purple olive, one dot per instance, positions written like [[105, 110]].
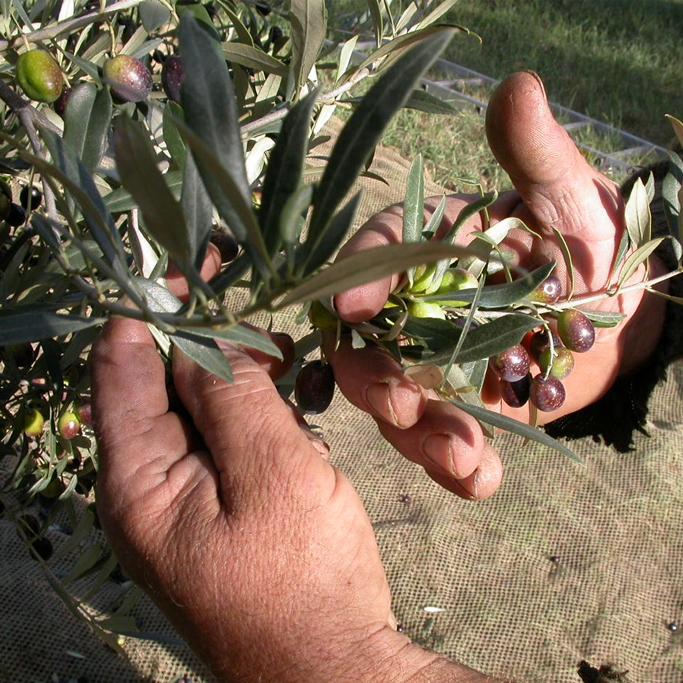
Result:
[[539, 343], [547, 394], [85, 414], [516, 394], [30, 525], [549, 291], [560, 365], [42, 547], [172, 74], [5, 189], [576, 331], [263, 8], [511, 365], [60, 103], [30, 198], [5, 206], [274, 34], [314, 387], [16, 216], [227, 245], [130, 80]]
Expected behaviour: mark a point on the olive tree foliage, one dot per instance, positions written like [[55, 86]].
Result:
[[132, 177]]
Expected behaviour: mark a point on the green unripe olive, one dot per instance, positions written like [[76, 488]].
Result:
[[39, 76], [68, 425], [562, 363], [33, 423], [576, 330], [455, 280], [426, 309], [422, 278], [321, 318]]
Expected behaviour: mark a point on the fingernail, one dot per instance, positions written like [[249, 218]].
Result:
[[540, 82], [378, 398], [437, 449], [475, 484]]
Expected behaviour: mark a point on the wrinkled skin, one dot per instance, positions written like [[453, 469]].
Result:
[[256, 548]]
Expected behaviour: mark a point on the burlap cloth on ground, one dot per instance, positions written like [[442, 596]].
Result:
[[474, 581]]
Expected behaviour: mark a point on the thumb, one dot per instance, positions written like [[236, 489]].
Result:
[[556, 183], [254, 438]]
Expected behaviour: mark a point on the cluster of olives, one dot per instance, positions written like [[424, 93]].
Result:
[[68, 424], [42, 80], [551, 352], [15, 214]]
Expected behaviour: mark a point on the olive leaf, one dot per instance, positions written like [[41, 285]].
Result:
[[174, 143], [638, 257], [30, 326], [421, 100], [677, 126], [254, 58], [136, 164], [285, 168], [368, 266], [308, 20], [413, 207], [364, 130], [672, 189], [377, 20], [569, 263], [489, 339], [196, 347], [86, 123], [637, 215], [604, 318], [516, 427], [153, 15], [500, 296]]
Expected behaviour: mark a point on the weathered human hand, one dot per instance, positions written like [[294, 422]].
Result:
[[555, 188], [228, 513]]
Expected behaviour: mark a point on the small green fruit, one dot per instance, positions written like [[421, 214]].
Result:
[[321, 318], [426, 309], [68, 425], [39, 76], [129, 78], [560, 366], [422, 278], [455, 280], [33, 423]]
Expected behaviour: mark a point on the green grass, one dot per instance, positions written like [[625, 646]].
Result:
[[618, 61]]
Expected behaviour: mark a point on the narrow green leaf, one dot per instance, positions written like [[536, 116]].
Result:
[[671, 188], [637, 215], [500, 296], [377, 20], [121, 200], [368, 266], [28, 327], [234, 209], [413, 204], [174, 143], [70, 172], [82, 529], [196, 347], [291, 217], [569, 263], [638, 257], [118, 624], [198, 212], [420, 100], [364, 130], [211, 112], [254, 58], [624, 246], [604, 318], [245, 336], [677, 126], [516, 427], [436, 14], [497, 232], [84, 563], [401, 43], [308, 19], [335, 234], [86, 123], [204, 352], [153, 15], [240, 29], [136, 164], [435, 333], [489, 339], [285, 169]]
